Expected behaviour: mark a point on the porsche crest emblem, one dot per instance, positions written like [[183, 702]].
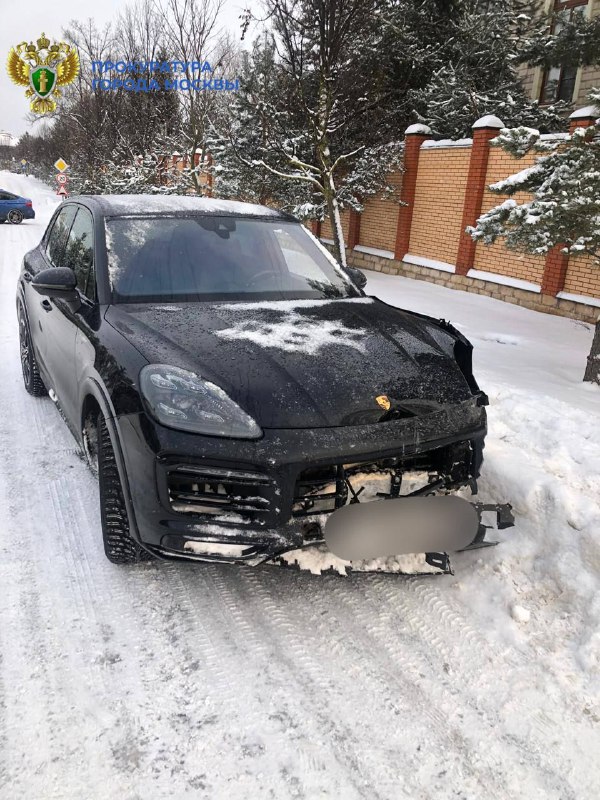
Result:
[[42, 67], [383, 401]]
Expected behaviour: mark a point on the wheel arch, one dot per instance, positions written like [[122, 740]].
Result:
[[94, 396]]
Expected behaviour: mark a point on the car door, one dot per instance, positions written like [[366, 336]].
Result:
[[49, 253], [78, 254], [5, 204]]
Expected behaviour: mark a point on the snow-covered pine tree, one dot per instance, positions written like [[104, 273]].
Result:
[[564, 207], [573, 40], [243, 125], [317, 120], [473, 71]]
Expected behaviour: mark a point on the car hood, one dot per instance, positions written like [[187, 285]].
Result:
[[304, 363]]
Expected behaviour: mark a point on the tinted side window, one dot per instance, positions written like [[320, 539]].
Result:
[[79, 252], [55, 248]]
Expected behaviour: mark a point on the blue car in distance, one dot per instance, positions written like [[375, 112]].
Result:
[[14, 208]]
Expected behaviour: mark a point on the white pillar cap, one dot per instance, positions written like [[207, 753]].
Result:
[[587, 112], [418, 128], [489, 121]]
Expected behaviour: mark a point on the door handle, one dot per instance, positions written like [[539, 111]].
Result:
[[46, 305]]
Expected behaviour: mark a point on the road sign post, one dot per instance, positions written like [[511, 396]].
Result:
[[62, 179]]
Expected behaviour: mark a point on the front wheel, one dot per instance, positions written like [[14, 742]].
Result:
[[15, 216], [31, 374], [119, 547]]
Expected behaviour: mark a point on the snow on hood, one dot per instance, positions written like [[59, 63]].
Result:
[[295, 332]]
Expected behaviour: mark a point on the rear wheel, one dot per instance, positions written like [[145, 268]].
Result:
[[15, 216], [119, 547], [31, 374]]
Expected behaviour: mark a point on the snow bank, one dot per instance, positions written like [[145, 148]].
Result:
[[542, 455]]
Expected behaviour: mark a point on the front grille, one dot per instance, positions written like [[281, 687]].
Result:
[[215, 492], [320, 490]]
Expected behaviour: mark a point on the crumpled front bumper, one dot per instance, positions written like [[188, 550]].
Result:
[[153, 454]]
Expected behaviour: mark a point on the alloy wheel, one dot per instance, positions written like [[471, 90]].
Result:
[[25, 349]]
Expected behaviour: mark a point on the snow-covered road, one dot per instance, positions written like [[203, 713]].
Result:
[[192, 681]]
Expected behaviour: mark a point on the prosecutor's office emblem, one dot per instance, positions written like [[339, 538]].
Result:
[[43, 68]]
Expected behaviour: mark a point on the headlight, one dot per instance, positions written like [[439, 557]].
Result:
[[182, 400]]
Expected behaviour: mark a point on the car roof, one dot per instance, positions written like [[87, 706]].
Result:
[[119, 205]]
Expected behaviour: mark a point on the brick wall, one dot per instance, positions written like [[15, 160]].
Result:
[[327, 231], [445, 188], [379, 218], [439, 200], [496, 258], [582, 277]]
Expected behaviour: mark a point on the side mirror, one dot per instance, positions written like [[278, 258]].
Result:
[[358, 277], [59, 282]]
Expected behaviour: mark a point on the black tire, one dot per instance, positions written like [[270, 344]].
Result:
[[15, 216], [119, 547], [31, 374]]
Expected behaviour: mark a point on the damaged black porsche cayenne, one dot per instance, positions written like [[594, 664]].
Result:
[[234, 388]]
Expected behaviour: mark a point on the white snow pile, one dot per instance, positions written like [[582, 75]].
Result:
[[295, 332], [318, 559], [542, 455]]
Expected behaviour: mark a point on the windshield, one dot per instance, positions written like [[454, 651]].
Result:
[[162, 259]]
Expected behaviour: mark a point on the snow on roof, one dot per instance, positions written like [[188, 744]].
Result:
[[586, 112], [489, 121], [417, 128], [124, 204]]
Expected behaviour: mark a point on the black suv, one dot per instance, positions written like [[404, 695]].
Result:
[[230, 383]]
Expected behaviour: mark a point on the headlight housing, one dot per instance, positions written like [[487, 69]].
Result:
[[183, 400]]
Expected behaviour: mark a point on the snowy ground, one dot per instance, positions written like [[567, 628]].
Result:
[[190, 681]]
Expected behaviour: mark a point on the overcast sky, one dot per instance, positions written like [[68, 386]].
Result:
[[25, 21]]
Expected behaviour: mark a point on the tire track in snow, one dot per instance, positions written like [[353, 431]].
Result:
[[460, 646], [359, 697], [266, 676], [401, 682]]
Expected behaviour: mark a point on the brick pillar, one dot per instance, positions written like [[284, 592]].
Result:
[[210, 176], [583, 118], [555, 271], [484, 130], [414, 137], [315, 225], [557, 263], [353, 229]]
